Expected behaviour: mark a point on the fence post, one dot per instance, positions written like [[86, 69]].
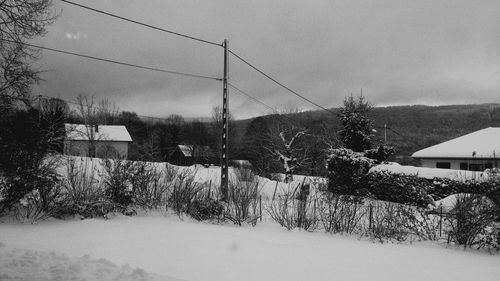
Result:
[[440, 221], [276, 187], [370, 207], [314, 210], [210, 190], [260, 207]]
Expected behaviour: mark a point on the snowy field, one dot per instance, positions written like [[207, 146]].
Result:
[[155, 247]]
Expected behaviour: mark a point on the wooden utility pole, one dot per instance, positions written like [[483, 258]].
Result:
[[225, 128], [385, 133]]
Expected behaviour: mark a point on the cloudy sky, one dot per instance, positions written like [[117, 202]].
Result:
[[399, 52]]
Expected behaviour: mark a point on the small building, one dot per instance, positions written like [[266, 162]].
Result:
[[103, 141], [241, 164], [187, 155], [476, 151]]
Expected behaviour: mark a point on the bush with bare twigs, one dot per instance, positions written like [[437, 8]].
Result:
[[470, 219], [340, 213], [243, 198], [292, 209], [184, 193], [117, 177], [151, 185], [83, 192]]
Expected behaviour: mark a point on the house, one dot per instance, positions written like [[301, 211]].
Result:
[[241, 164], [476, 151], [186, 155], [104, 141]]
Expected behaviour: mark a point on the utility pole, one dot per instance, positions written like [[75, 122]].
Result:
[[225, 128], [385, 133]]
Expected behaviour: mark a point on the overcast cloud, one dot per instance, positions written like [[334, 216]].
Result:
[[399, 52]]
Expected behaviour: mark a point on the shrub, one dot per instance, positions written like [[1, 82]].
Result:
[[345, 171], [380, 154], [117, 181], [340, 213], [470, 216], [489, 238], [83, 192], [184, 192], [291, 210], [404, 189], [26, 139], [206, 209], [243, 198], [40, 204], [150, 186]]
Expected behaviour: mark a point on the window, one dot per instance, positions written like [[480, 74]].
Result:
[[464, 166], [488, 165], [476, 167], [443, 165]]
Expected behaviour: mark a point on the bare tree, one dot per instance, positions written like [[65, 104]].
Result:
[[20, 20], [107, 112], [284, 143], [94, 114]]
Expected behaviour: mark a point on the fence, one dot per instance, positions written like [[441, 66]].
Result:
[[346, 214]]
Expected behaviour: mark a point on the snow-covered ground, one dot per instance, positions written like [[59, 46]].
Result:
[[193, 251], [22, 264]]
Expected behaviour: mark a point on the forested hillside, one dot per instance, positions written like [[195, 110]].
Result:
[[410, 128]]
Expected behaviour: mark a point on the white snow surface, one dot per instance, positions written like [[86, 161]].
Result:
[[188, 250], [209, 176], [431, 173], [21, 264], [479, 144]]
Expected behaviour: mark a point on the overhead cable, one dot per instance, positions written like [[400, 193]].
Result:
[[143, 24], [116, 62], [279, 83], [251, 97]]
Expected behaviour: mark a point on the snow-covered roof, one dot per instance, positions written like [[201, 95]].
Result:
[[242, 163], [484, 143], [103, 132], [198, 151]]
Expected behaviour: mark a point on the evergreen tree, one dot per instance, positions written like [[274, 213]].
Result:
[[357, 131]]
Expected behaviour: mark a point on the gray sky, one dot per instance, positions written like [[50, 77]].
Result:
[[399, 52]]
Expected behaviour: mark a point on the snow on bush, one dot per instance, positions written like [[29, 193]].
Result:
[[431, 173], [471, 221], [346, 169]]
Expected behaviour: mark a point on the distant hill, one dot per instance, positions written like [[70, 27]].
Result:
[[411, 128]]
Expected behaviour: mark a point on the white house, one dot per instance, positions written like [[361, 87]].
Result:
[[476, 151], [104, 141]]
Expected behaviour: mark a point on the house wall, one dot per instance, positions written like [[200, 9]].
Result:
[[104, 149], [455, 163]]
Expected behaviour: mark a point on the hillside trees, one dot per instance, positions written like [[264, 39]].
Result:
[[253, 146], [216, 128]]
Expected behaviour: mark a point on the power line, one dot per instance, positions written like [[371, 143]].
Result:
[[141, 23], [200, 40], [115, 62], [99, 107], [260, 102], [279, 83], [251, 97]]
